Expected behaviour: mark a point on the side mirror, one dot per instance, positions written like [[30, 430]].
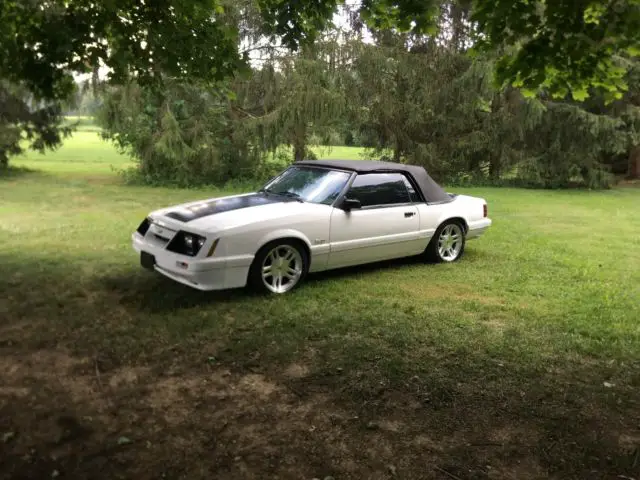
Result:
[[350, 204]]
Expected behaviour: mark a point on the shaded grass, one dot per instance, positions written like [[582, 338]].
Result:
[[521, 334]]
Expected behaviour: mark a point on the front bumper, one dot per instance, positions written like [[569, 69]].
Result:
[[199, 273], [477, 228]]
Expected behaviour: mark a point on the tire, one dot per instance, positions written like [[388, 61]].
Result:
[[291, 268], [443, 248]]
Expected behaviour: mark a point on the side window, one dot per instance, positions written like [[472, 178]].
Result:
[[412, 191], [379, 189]]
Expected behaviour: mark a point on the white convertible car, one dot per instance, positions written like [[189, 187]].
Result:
[[314, 216]]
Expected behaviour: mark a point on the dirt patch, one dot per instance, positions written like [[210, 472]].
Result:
[[59, 414], [296, 371], [257, 385], [127, 377]]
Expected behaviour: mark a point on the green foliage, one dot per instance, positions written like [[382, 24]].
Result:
[[184, 135], [408, 97], [561, 46], [436, 107], [571, 145], [298, 25], [43, 42], [295, 96], [403, 15], [26, 123]]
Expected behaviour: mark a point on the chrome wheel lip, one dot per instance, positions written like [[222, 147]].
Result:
[[281, 269], [450, 242]]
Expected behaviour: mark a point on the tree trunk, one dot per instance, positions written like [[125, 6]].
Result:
[[457, 39], [494, 169], [299, 142], [634, 162], [95, 78], [4, 160], [397, 151], [299, 151]]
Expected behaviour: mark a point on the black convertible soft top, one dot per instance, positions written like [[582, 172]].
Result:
[[431, 191]]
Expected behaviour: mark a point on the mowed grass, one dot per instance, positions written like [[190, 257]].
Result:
[[81, 153], [530, 344]]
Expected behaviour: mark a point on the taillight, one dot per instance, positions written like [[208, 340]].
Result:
[[484, 210]]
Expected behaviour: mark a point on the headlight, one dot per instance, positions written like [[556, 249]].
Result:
[[143, 227], [186, 243]]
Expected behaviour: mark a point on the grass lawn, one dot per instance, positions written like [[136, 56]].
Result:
[[84, 152], [521, 361]]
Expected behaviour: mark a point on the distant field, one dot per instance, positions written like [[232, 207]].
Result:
[[339, 153], [86, 152]]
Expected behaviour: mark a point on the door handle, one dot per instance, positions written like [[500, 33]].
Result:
[[409, 214]]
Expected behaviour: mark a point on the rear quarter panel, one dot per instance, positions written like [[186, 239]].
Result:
[[469, 209]]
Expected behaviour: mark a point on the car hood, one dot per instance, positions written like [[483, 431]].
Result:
[[223, 213]]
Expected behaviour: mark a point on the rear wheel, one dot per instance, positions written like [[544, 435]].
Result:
[[447, 245], [279, 267]]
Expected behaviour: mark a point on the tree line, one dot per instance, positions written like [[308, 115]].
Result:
[[441, 86]]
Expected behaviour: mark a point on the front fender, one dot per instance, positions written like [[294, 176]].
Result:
[[283, 233]]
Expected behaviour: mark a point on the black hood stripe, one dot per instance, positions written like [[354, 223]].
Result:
[[212, 207]]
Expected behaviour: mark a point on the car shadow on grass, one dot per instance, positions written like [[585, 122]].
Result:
[[153, 292]]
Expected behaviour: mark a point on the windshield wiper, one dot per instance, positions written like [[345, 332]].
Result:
[[268, 191], [290, 195]]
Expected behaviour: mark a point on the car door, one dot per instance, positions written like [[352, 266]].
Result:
[[386, 226]]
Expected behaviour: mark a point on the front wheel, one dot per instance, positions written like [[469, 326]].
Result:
[[279, 267], [447, 245]]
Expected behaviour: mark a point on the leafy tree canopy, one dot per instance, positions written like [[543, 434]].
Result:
[[42, 41], [561, 46]]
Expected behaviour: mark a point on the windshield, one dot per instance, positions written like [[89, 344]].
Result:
[[310, 184]]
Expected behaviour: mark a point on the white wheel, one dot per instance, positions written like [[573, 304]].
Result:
[[282, 269], [279, 266], [447, 245], [450, 242]]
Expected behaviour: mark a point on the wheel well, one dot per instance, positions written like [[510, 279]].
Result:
[[459, 220], [297, 240]]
